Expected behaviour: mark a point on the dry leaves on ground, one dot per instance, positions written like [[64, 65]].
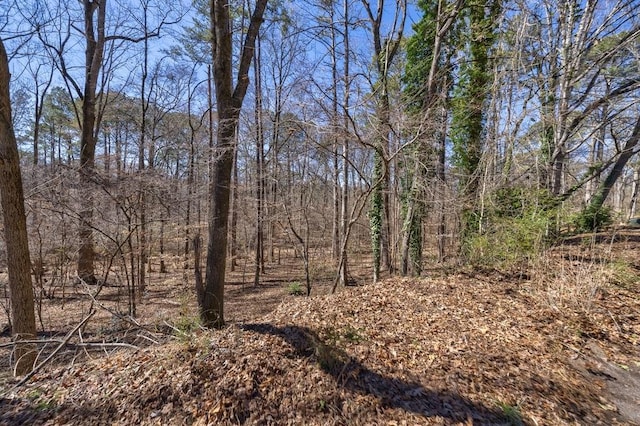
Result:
[[460, 349]]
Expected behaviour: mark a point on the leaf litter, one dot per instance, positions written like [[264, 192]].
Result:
[[466, 348]]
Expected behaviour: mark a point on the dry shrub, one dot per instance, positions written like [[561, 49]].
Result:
[[570, 282]]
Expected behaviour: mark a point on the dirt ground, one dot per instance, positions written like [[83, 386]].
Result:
[[555, 344]]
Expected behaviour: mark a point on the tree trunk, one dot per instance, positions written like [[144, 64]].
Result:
[[336, 235], [229, 101], [15, 230], [344, 264], [259, 254], [607, 184], [634, 193], [384, 49], [95, 39]]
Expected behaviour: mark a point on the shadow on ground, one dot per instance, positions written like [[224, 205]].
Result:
[[392, 392]]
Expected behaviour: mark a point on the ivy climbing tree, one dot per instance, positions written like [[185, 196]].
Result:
[[385, 49], [426, 86], [468, 105]]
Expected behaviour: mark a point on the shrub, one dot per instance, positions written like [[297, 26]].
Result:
[[591, 219], [295, 289], [516, 229]]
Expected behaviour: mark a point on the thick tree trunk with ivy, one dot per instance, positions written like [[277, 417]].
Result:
[[15, 230], [413, 215], [376, 214], [229, 102], [468, 121], [425, 89]]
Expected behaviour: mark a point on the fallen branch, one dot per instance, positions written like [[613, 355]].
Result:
[[55, 351], [77, 345]]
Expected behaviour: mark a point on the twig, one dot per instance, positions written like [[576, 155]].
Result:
[[116, 314], [105, 345], [615, 322], [155, 342], [55, 351], [174, 328]]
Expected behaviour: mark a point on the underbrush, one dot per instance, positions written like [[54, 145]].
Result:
[[576, 281], [516, 227]]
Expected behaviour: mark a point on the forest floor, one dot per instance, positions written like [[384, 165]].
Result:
[[556, 343]]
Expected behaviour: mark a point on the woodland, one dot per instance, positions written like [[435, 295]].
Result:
[[319, 212]]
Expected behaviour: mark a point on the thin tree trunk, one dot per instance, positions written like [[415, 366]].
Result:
[[234, 215], [336, 234], [634, 193], [344, 271], [259, 253]]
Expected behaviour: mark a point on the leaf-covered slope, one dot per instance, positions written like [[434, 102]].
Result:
[[467, 350]]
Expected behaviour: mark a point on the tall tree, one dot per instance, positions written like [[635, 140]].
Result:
[[229, 98], [94, 18], [15, 229], [426, 89], [469, 105], [343, 264], [94, 35], [260, 181], [94, 50], [385, 49]]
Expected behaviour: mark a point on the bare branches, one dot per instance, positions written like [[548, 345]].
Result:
[[64, 341]]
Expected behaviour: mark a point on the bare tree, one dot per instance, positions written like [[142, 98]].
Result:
[[89, 116], [229, 99], [385, 48]]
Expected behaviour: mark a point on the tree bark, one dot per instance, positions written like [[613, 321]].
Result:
[[229, 102], [15, 229], [384, 49], [606, 185], [344, 263], [95, 39]]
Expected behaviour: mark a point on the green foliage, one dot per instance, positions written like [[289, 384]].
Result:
[[515, 229], [419, 56], [295, 289], [517, 202], [353, 335], [376, 213], [322, 405], [415, 239], [512, 413], [41, 402], [593, 218], [622, 274], [334, 337], [469, 103], [471, 92], [509, 242], [187, 324]]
